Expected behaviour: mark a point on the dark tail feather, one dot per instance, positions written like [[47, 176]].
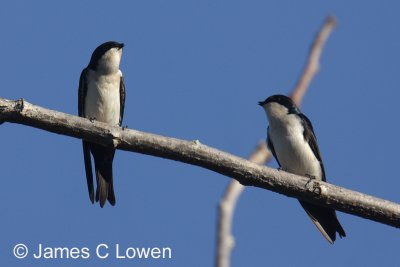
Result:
[[111, 195], [88, 169], [325, 219], [103, 158], [105, 189]]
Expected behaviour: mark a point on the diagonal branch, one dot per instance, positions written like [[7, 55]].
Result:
[[195, 153], [225, 240], [226, 208], [312, 66]]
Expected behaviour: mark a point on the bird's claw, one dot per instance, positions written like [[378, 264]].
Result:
[[311, 177], [92, 119], [124, 127]]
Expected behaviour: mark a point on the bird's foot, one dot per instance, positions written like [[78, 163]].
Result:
[[124, 127], [92, 119], [311, 178]]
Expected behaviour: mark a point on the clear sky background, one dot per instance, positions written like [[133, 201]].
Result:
[[196, 70]]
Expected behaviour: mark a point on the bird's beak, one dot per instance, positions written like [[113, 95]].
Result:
[[261, 103], [121, 46]]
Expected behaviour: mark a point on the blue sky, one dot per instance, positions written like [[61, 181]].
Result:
[[196, 70]]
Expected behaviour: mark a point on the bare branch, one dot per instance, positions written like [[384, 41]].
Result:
[[195, 153], [312, 65], [225, 241]]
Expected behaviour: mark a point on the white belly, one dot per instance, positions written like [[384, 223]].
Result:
[[103, 97], [294, 154]]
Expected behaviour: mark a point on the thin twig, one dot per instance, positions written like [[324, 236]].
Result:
[[312, 66], [225, 239]]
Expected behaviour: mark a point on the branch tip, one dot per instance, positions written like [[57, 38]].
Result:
[[331, 21]]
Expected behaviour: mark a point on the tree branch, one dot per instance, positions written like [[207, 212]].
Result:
[[192, 152], [312, 66], [226, 209], [261, 155]]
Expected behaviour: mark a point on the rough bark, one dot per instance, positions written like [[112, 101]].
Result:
[[195, 153]]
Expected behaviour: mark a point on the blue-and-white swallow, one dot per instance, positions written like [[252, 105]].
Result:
[[102, 98], [292, 141]]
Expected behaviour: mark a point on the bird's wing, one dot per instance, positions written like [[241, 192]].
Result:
[[86, 148], [82, 93], [311, 139], [271, 147], [121, 99], [325, 220]]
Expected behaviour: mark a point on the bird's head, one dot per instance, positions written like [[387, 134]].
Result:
[[106, 57], [279, 105]]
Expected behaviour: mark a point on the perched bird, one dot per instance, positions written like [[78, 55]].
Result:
[[292, 141], [102, 98]]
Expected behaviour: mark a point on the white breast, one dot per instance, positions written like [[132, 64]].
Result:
[[293, 153], [103, 97]]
